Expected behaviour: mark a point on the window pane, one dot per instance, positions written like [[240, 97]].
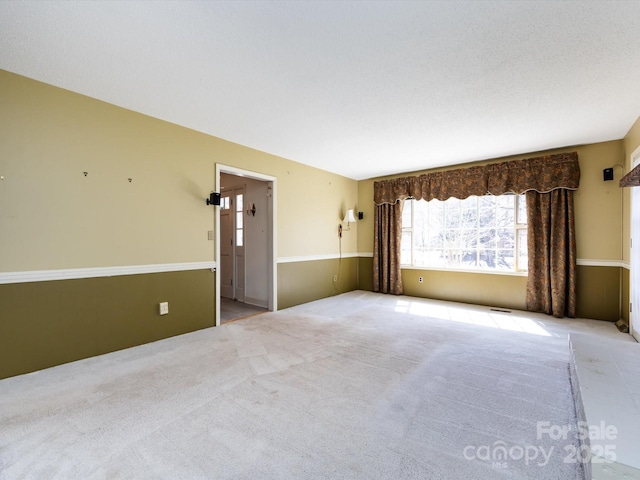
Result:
[[436, 213], [421, 215], [420, 238], [470, 217], [239, 238], [505, 238], [451, 238], [434, 258], [469, 258], [435, 227], [522, 209], [239, 206], [405, 248], [487, 238], [487, 259], [473, 233], [422, 256], [505, 205], [436, 238], [486, 217], [452, 258], [523, 261], [486, 201], [505, 260], [468, 238], [239, 218], [452, 216], [406, 213]]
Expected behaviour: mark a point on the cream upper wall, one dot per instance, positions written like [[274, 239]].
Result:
[[53, 217], [598, 204]]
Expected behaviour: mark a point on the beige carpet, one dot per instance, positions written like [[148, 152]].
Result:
[[359, 386]]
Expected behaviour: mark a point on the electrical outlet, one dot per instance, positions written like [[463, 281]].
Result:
[[164, 308], [335, 278], [420, 279]]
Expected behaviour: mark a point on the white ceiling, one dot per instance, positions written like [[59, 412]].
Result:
[[360, 88]]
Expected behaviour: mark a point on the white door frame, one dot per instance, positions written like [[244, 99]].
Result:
[[634, 271], [273, 291]]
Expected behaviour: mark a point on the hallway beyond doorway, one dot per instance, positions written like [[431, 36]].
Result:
[[234, 310]]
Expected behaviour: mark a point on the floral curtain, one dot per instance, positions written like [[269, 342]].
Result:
[[551, 243], [387, 276], [548, 182]]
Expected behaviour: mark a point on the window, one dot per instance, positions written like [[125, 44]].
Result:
[[239, 218], [477, 233]]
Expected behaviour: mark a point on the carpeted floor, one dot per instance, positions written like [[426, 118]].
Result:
[[359, 386]]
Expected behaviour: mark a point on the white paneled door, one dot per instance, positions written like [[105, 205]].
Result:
[[232, 268]]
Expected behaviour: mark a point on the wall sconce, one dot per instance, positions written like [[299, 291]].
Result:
[[348, 219]]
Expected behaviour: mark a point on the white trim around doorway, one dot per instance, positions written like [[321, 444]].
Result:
[[273, 291]]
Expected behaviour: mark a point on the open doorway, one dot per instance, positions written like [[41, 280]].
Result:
[[245, 243], [635, 254]]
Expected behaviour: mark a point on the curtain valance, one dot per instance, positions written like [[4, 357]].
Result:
[[631, 179], [542, 174]]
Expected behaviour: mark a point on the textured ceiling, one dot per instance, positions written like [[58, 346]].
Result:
[[358, 88]]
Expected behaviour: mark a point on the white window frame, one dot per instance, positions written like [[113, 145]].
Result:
[[519, 270]]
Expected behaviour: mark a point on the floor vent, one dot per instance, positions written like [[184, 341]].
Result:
[[500, 310]]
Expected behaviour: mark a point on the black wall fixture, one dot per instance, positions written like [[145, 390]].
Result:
[[214, 199], [607, 174]]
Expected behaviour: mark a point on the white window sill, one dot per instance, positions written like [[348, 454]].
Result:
[[461, 270]]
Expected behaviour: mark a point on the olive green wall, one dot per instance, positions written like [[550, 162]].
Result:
[[598, 288], [365, 273], [48, 323], [598, 211], [598, 292], [142, 202], [478, 288], [302, 282]]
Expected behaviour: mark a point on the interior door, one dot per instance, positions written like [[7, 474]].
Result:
[[226, 246]]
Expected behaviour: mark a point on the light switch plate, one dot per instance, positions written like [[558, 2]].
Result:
[[210, 235], [164, 308]]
